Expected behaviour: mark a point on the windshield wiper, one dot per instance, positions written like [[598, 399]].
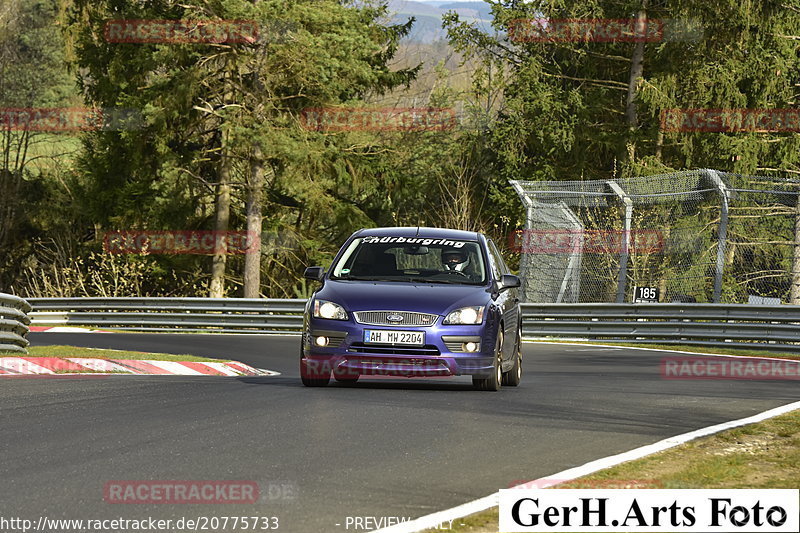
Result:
[[399, 280], [427, 280], [403, 280], [363, 278]]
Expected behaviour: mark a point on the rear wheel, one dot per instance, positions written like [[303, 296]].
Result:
[[513, 377], [493, 383]]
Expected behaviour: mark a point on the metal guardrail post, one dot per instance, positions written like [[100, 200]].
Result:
[[574, 265], [794, 293], [722, 234], [569, 285], [624, 254], [523, 257]]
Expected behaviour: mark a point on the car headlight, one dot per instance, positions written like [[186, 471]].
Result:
[[465, 316], [329, 310]]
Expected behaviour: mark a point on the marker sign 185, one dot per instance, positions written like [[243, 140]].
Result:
[[646, 294]]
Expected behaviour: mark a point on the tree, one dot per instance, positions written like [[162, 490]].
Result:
[[219, 117], [33, 74], [573, 108]]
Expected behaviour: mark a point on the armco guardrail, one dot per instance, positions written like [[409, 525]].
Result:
[[775, 327], [227, 315], [14, 322]]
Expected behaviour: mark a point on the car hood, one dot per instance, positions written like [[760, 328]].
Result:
[[388, 296]]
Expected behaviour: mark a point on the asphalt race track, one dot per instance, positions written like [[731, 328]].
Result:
[[381, 448]]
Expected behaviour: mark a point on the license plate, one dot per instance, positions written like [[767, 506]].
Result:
[[390, 336]]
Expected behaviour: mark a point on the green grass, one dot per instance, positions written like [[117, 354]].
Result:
[[97, 353], [687, 348], [765, 455], [760, 456], [48, 150]]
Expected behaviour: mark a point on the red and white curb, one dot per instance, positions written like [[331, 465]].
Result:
[[25, 366]]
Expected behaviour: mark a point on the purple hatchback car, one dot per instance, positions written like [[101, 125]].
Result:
[[413, 302]]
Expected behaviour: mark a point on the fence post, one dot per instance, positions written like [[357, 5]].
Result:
[[523, 263], [524, 260], [574, 265], [794, 293], [722, 234], [622, 276]]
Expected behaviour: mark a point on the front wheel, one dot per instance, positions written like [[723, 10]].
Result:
[[312, 376], [513, 377], [493, 383]]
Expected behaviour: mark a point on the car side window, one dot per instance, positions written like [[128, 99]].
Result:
[[500, 261], [494, 260]]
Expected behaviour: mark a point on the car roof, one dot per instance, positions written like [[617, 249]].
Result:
[[425, 233]]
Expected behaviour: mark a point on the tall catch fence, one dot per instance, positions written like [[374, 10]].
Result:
[[690, 236]]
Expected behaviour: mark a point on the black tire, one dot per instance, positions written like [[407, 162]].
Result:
[[346, 378], [313, 377], [315, 382], [494, 382], [513, 377]]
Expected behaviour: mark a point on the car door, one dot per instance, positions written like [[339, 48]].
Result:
[[508, 301]]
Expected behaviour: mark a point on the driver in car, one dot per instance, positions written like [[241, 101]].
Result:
[[455, 260]]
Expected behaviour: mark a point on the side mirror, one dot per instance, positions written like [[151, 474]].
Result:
[[314, 273], [509, 281]]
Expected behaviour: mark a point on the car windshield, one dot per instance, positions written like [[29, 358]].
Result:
[[412, 259]]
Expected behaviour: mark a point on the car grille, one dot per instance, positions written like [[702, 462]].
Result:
[[379, 318], [428, 349]]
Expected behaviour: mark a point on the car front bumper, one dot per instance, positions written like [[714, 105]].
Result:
[[443, 352]]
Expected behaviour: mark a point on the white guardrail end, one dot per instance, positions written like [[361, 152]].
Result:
[[14, 321]]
